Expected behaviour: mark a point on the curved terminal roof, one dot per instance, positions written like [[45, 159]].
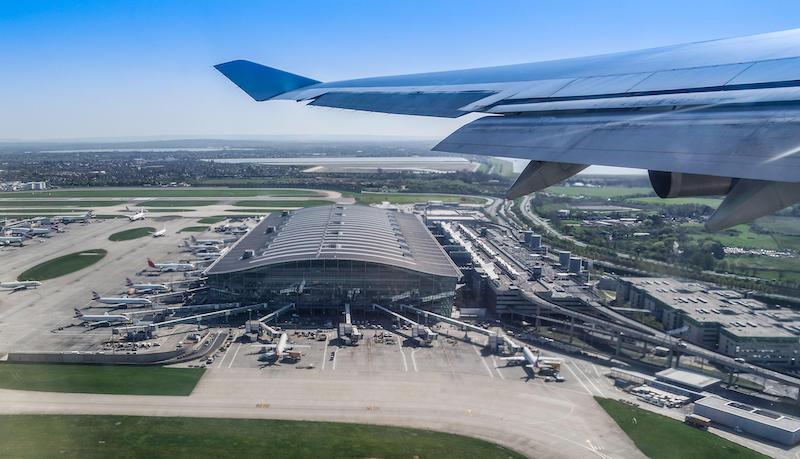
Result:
[[339, 232]]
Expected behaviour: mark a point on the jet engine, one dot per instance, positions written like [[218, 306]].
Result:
[[679, 184]]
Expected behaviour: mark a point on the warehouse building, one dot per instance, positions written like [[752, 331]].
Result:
[[754, 421], [325, 257], [718, 319]]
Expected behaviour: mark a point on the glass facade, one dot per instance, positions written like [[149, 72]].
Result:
[[330, 283]]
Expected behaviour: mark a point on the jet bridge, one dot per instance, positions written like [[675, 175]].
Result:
[[492, 338], [347, 332], [259, 325], [421, 333], [152, 327]]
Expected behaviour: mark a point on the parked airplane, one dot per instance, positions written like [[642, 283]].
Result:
[[160, 233], [8, 240], [200, 247], [67, 219], [102, 318], [718, 117], [169, 266], [20, 285], [146, 288], [122, 300], [276, 352], [528, 358], [215, 242]]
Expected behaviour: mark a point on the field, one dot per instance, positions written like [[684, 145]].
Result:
[[99, 379], [211, 220], [57, 203], [133, 233], [599, 192], [741, 236], [193, 229], [409, 198], [660, 437], [74, 436], [9, 213], [177, 203], [57, 267], [278, 204], [710, 202], [160, 193], [778, 224]]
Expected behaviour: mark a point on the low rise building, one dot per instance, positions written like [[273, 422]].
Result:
[[723, 320]]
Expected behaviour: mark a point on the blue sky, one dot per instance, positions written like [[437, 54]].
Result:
[[107, 69]]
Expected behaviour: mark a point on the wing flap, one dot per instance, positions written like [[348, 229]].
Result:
[[760, 144]]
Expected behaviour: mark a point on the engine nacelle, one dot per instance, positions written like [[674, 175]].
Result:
[[678, 184]]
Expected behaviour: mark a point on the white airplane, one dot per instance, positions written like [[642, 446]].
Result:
[[528, 358], [20, 285], [137, 216], [126, 300], [276, 352], [160, 233], [205, 256], [8, 240], [200, 247], [215, 242], [169, 266], [146, 288], [102, 318], [717, 117], [67, 219]]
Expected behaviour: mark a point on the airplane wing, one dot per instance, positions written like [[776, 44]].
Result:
[[719, 117]]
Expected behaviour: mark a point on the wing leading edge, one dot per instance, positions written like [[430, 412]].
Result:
[[724, 108]]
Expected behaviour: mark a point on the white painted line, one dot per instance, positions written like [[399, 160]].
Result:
[[405, 364], [589, 380], [483, 361], [333, 367], [499, 373], [325, 354], [413, 360], [223, 357], [238, 346], [594, 367], [579, 379]]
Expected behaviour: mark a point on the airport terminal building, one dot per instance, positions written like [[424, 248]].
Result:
[[325, 257]]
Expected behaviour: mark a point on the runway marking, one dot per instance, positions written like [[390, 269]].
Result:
[[594, 367], [596, 450], [333, 367], [499, 373], [579, 379], [223, 357], [483, 361], [589, 380], [413, 360], [238, 346], [325, 354], [405, 364]]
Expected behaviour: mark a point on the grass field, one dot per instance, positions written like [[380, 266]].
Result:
[[710, 202], [41, 212], [660, 437], [599, 192], [211, 220], [411, 198], [160, 193], [177, 203], [57, 267], [133, 233], [56, 203], [193, 229], [99, 379], [71, 436], [779, 224], [273, 204], [741, 236]]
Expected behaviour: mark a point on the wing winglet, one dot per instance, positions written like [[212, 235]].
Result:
[[261, 82]]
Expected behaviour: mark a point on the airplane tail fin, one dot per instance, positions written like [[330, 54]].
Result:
[[78, 313], [95, 296], [261, 82], [194, 239], [150, 263], [128, 282]]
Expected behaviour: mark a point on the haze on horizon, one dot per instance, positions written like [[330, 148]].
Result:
[[115, 69]]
